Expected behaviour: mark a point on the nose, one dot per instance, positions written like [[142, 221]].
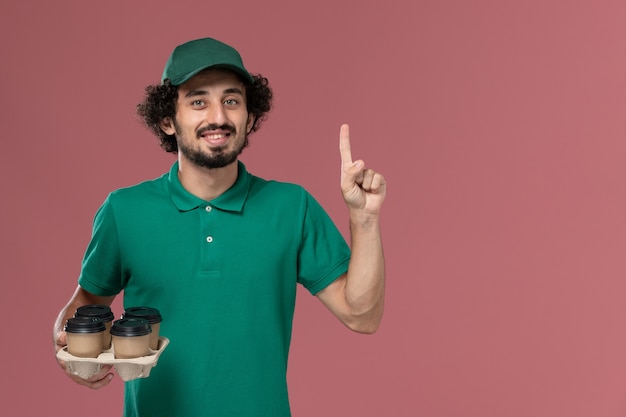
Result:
[[216, 114]]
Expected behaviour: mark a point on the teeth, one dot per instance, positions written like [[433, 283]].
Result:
[[215, 136]]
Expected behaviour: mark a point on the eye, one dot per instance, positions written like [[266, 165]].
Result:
[[231, 102], [197, 103]]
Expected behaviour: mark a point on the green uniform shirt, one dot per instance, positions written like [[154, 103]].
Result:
[[223, 274]]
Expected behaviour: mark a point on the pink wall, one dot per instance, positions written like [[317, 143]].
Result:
[[499, 125]]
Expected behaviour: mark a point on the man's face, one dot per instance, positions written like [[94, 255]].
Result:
[[212, 122]]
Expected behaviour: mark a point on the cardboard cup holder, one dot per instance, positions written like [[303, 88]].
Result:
[[127, 369]]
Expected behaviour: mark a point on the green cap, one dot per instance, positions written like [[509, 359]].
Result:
[[194, 56]]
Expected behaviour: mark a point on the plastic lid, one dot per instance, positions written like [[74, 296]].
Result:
[[84, 325], [99, 311], [128, 327], [149, 313]]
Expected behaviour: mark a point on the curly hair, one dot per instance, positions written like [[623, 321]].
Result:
[[160, 103]]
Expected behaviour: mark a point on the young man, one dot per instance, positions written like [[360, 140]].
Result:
[[219, 252]]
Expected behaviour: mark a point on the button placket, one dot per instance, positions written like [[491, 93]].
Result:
[[208, 218], [208, 209]]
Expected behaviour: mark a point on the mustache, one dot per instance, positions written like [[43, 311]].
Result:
[[225, 127]]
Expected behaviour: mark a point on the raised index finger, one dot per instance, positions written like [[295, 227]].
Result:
[[344, 145]]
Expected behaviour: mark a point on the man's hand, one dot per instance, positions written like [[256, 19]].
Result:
[[59, 336], [363, 189], [356, 298], [99, 380]]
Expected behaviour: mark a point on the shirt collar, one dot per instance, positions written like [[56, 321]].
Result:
[[232, 199]]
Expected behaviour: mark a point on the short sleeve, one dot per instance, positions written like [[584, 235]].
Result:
[[323, 254], [101, 267]]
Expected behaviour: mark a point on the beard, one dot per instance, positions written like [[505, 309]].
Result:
[[219, 158]]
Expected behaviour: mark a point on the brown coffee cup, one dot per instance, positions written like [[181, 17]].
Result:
[[131, 338], [84, 336], [154, 318], [104, 314]]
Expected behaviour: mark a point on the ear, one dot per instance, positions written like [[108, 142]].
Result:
[[167, 125], [250, 123]]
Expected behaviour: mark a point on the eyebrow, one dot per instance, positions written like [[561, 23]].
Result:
[[195, 93]]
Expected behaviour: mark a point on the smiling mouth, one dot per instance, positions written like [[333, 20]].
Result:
[[215, 140], [215, 136]]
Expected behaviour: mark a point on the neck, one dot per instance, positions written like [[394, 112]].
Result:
[[206, 183]]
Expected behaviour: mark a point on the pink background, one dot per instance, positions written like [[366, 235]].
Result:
[[499, 126]]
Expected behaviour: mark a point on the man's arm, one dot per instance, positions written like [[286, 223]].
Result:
[[59, 337], [357, 297]]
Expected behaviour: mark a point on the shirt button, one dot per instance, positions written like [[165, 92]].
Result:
[[209, 239], [208, 209]]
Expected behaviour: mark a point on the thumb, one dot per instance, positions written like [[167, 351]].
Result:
[[61, 340], [353, 174]]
